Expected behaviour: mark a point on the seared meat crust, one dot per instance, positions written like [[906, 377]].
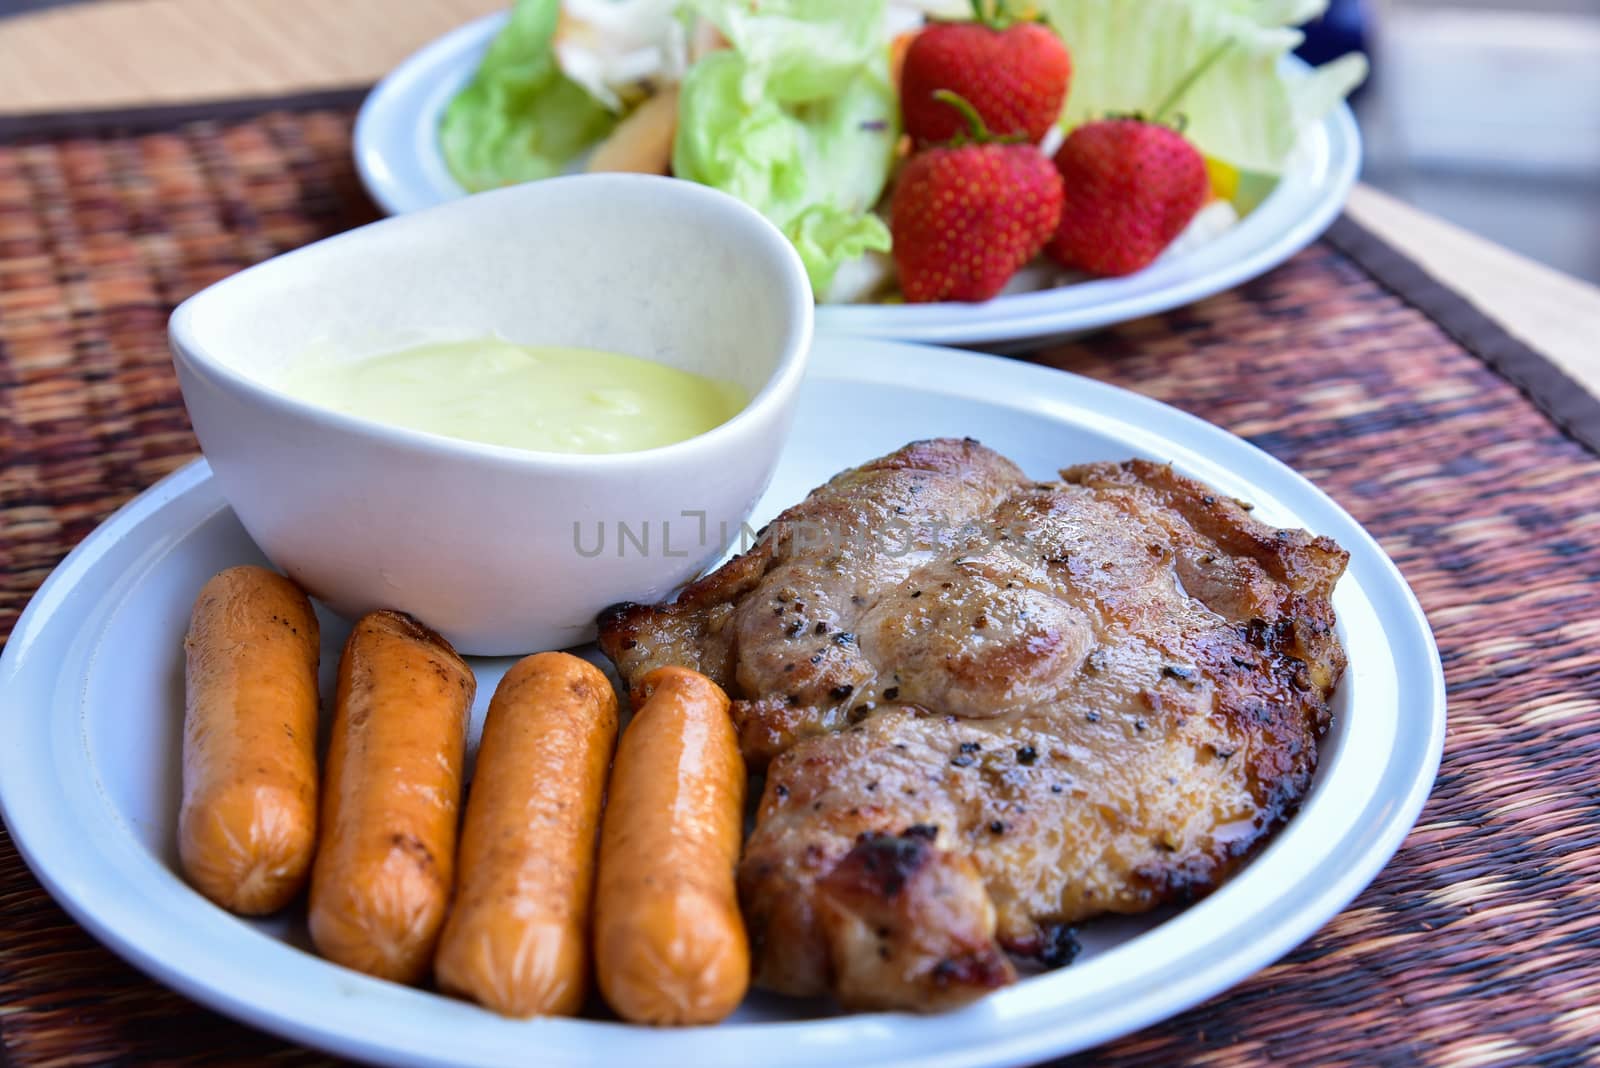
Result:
[[994, 707]]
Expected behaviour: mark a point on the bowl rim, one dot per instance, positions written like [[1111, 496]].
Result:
[[764, 405]]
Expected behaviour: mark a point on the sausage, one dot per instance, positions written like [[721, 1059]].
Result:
[[517, 940], [670, 947], [381, 881], [248, 822]]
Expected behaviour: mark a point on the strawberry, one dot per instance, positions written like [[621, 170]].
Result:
[[1131, 187], [965, 216], [1015, 76]]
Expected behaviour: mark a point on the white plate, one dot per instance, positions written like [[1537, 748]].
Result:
[[397, 153], [93, 695]]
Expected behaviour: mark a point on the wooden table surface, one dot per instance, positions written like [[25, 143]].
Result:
[[123, 53]]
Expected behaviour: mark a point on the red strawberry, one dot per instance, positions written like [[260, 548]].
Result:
[[965, 216], [1131, 187], [1016, 78]]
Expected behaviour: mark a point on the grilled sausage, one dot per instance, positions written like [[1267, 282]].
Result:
[[248, 824], [517, 940], [382, 877], [670, 946]]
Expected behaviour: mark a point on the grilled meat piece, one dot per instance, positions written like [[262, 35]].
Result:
[[990, 707]]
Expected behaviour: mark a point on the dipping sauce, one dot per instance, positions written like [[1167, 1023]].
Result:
[[525, 396]]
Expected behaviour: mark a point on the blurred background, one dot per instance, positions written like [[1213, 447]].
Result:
[[1484, 112]]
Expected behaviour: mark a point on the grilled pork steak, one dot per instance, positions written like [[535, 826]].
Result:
[[990, 708]]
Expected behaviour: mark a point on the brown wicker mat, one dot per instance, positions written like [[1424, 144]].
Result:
[[1479, 944]]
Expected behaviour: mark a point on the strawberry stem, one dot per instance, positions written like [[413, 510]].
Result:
[[1187, 82], [975, 125], [988, 14]]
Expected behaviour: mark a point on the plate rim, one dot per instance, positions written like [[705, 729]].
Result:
[[995, 1043], [410, 97]]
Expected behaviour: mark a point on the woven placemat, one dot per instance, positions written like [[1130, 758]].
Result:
[[1479, 944]]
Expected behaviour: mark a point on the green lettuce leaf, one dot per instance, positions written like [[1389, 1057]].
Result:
[[800, 50], [520, 118], [1277, 12], [798, 120], [1128, 57]]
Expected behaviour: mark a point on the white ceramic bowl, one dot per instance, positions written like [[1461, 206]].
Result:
[[496, 547]]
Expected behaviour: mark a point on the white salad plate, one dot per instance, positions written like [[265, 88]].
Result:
[[90, 735], [397, 154]]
